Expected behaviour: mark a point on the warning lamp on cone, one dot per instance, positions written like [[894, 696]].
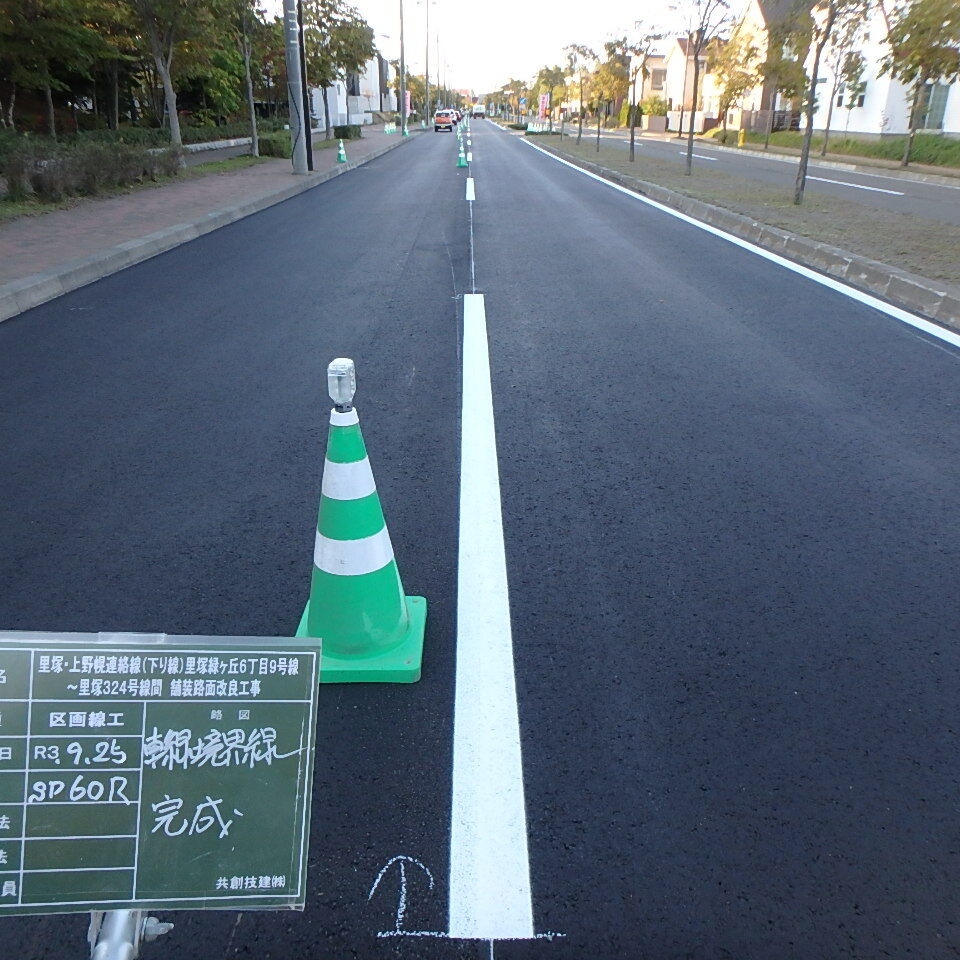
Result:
[[342, 382]]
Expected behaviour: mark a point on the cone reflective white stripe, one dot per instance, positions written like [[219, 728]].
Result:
[[353, 558], [345, 419], [348, 481]]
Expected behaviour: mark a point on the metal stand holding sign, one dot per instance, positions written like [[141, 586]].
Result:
[[117, 934]]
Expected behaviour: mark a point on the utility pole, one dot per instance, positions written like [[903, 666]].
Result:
[[403, 79], [291, 36], [308, 123], [426, 75]]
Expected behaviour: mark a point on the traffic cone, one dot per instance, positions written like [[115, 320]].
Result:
[[461, 159], [370, 631], [341, 154]]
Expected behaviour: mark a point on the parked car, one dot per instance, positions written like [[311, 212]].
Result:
[[444, 120]]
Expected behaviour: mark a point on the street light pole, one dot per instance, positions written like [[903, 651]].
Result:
[[403, 79], [307, 122], [426, 75], [291, 36]]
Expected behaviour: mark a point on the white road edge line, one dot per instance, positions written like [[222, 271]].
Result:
[[857, 186], [490, 895], [904, 316]]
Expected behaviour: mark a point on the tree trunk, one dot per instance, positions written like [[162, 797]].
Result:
[[633, 119], [811, 104], [170, 99], [113, 111], [766, 138], [254, 137], [693, 110], [826, 129], [580, 113], [51, 116], [912, 128], [598, 128], [326, 112], [10, 105]]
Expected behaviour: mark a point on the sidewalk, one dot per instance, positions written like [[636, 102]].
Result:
[[44, 256]]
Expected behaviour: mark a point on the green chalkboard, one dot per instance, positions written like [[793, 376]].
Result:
[[141, 770]]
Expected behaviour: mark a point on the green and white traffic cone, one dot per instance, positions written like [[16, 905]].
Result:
[[370, 631], [341, 154], [461, 158]]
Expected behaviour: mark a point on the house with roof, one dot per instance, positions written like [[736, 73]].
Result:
[[878, 105]]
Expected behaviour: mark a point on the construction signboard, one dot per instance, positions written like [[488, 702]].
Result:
[[142, 771]]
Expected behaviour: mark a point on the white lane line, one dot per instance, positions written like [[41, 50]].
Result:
[[683, 153], [471, 191], [469, 157], [489, 867], [856, 186], [839, 286]]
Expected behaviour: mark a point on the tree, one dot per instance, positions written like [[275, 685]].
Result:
[[854, 85], [245, 17], [782, 69], [706, 21], [337, 40], [734, 66], [847, 33], [41, 41], [167, 24], [547, 80], [639, 52], [580, 60], [924, 42], [824, 17]]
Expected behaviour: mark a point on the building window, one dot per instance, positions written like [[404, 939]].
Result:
[[933, 104], [657, 79]]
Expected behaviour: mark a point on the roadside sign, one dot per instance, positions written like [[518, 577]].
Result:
[[543, 106], [523, 101], [141, 771]]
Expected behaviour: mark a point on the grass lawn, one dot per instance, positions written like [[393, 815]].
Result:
[[930, 248]]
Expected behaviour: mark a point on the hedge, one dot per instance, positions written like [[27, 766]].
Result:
[[51, 171], [349, 131]]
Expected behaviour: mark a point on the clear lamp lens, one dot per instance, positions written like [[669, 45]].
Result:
[[342, 381]]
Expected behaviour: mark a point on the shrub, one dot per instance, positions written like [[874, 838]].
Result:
[[517, 126], [53, 171], [276, 144], [654, 106], [543, 133], [347, 131]]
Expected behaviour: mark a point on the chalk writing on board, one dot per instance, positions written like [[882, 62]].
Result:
[[205, 815], [218, 748]]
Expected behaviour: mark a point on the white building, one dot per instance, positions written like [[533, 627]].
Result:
[[884, 104], [357, 97]]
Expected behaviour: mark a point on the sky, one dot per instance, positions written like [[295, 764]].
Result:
[[483, 45]]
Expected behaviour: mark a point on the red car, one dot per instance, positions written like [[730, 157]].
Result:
[[444, 120]]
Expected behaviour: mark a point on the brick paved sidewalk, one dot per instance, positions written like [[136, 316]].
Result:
[[35, 244]]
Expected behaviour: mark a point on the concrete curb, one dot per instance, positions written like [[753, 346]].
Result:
[[18, 296], [909, 291]]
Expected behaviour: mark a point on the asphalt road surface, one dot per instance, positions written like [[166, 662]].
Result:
[[730, 529], [931, 200]]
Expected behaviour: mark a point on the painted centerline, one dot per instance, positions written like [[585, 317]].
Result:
[[856, 186], [489, 865]]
